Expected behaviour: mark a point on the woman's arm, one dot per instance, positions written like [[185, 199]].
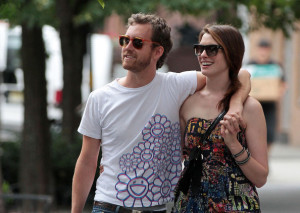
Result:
[[256, 169]]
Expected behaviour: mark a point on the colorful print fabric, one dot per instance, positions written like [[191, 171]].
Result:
[[224, 187]]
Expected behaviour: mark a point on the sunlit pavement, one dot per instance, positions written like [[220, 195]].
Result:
[[281, 194]]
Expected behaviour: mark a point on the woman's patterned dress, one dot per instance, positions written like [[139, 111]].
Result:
[[224, 187]]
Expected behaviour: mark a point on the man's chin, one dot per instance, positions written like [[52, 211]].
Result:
[[127, 66]]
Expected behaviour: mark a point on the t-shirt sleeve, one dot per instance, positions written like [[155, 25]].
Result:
[[90, 124], [185, 84]]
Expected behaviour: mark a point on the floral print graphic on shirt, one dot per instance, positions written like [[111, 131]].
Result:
[[152, 169]]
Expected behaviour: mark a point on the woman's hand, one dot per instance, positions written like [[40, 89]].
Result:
[[230, 127], [101, 169], [236, 110]]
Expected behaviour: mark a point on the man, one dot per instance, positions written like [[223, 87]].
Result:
[[264, 67], [135, 120]]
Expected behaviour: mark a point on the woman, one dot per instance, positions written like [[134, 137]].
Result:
[[234, 159]]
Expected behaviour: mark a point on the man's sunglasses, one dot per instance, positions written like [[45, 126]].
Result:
[[136, 42], [211, 50]]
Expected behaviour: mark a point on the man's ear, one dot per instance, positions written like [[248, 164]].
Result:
[[158, 52]]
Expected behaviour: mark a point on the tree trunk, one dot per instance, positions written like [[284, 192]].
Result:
[[73, 44], [2, 209], [35, 147]]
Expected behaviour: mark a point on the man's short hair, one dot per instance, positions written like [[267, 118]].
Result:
[[161, 32], [264, 43]]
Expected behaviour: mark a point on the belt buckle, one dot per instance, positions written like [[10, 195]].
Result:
[[136, 211]]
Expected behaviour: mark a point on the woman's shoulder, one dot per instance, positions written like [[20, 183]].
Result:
[[252, 107]]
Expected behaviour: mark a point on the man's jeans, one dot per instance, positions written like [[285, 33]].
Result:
[[100, 209]]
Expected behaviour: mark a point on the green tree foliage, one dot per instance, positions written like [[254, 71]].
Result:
[[101, 2], [37, 12], [275, 14]]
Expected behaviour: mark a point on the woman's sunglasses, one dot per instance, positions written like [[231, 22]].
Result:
[[136, 42], [211, 50]]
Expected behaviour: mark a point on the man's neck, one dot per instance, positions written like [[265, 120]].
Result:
[[136, 80]]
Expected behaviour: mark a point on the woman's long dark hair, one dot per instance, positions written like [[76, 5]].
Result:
[[233, 46]]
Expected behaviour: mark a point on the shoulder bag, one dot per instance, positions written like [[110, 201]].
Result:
[[191, 175]]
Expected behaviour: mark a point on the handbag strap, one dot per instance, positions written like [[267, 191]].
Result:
[[213, 125], [197, 151]]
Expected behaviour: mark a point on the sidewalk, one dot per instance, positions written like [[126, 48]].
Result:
[[281, 194]]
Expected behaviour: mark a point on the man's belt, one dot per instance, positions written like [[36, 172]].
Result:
[[121, 209]]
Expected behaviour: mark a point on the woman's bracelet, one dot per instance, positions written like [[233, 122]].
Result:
[[240, 153], [242, 162]]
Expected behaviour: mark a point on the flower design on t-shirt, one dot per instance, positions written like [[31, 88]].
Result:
[[163, 158], [135, 187], [163, 187], [151, 171], [145, 154], [128, 162], [175, 132], [175, 165], [158, 127]]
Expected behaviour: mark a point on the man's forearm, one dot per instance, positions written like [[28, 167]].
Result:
[[82, 183], [242, 94], [201, 81], [239, 97], [80, 190]]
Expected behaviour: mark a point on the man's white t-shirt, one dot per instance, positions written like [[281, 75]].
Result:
[[140, 138]]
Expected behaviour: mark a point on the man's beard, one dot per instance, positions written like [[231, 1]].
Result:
[[138, 65]]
